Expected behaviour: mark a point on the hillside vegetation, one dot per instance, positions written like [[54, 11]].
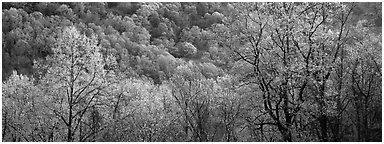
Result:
[[143, 72]]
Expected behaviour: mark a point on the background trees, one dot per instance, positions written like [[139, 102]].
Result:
[[191, 71]]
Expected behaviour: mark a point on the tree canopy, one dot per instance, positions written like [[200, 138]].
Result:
[[182, 71]]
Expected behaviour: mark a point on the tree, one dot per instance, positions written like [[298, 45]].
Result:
[[192, 94], [205, 105], [74, 76], [365, 74], [186, 50], [291, 48], [230, 107], [24, 119]]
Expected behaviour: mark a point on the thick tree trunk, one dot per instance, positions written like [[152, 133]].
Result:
[[323, 128], [69, 126], [285, 133]]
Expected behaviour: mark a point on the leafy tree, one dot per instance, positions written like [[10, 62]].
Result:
[[74, 76], [193, 96], [124, 8], [230, 108], [167, 64], [24, 117], [186, 49], [209, 70]]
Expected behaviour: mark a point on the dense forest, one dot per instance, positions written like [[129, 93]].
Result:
[[207, 72]]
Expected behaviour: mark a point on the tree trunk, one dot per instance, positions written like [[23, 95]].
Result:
[[69, 126], [323, 128], [5, 125], [365, 120], [358, 123], [285, 133]]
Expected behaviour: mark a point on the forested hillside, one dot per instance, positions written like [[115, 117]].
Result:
[[180, 71]]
